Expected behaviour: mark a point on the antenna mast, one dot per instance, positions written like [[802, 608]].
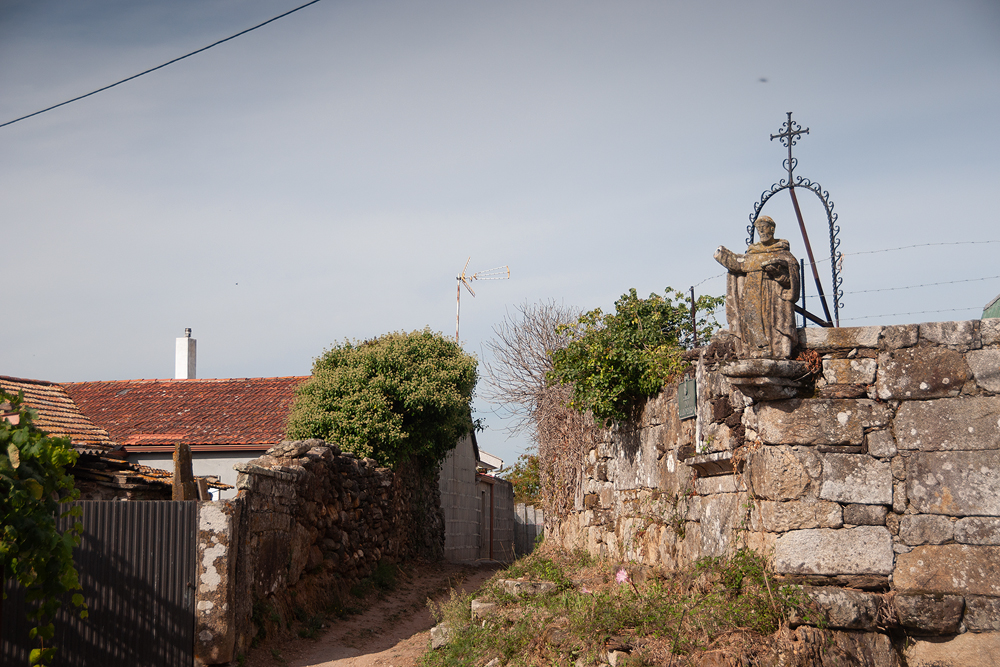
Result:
[[498, 273]]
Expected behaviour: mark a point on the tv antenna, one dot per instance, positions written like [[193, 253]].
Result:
[[499, 273]]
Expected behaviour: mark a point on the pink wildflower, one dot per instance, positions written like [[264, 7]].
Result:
[[622, 576]]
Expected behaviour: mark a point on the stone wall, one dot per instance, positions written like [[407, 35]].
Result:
[[309, 522], [882, 475]]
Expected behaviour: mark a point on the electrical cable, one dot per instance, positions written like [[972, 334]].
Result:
[[153, 69]]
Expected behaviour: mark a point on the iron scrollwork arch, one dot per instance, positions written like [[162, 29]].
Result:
[[788, 138]]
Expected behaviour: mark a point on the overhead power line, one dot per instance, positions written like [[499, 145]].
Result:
[[153, 69]]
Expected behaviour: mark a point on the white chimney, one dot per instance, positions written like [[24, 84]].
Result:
[[184, 365]]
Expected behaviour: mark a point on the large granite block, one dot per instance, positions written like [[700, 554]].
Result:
[[949, 568], [966, 423], [959, 335], [781, 517], [816, 421], [989, 331], [776, 473], [861, 550], [920, 372], [930, 614], [954, 483], [982, 614], [917, 529], [971, 649], [839, 338], [856, 478], [978, 530], [849, 371], [985, 367]]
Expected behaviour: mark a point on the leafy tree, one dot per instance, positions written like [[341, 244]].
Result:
[[526, 478], [33, 482], [614, 359], [396, 397]]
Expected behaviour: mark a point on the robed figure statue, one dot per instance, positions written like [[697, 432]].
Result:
[[761, 291]]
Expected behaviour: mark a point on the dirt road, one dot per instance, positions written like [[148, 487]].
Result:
[[394, 631]]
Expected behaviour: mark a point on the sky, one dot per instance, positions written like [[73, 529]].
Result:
[[327, 176]]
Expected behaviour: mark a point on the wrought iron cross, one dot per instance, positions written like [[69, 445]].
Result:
[[790, 135]]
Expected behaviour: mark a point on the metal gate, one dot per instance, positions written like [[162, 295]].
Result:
[[137, 567]]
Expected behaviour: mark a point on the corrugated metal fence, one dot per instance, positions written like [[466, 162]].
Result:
[[529, 523], [137, 567]]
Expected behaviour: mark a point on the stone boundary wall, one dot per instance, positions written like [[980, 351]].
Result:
[[879, 484], [309, 521]]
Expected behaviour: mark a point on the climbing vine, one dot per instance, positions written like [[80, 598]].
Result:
[[33, 483]]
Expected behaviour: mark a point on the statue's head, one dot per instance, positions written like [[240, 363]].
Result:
[[765, 227]]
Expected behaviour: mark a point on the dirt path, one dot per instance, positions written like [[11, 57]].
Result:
[[393, 631]]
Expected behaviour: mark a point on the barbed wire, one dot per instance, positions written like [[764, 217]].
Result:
[[915, 312]]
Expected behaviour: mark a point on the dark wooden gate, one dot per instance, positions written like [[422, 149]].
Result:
[[137, 566]]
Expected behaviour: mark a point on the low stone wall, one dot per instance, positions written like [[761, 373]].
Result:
[[884, 476], [304, 510]]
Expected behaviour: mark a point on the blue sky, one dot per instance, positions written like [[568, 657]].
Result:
[[326, 177]]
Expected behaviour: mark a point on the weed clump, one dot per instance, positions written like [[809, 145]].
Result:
[[728, 604]]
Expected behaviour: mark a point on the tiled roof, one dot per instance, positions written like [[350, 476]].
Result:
[[209, 415], [57, 414]]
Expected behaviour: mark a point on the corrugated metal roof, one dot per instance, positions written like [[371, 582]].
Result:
[[222, 414], [58, 415]]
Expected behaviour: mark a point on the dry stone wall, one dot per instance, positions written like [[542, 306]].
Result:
[[309, 521], [883, 475]]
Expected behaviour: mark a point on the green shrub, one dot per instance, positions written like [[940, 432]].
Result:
[[613, 360], [392, 398]]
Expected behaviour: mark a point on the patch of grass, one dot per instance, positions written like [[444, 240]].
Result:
[[278, 658], [384, 576], [657, 620]]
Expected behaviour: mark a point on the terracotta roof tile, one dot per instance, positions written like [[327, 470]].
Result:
[[57, 414], [153, 415]]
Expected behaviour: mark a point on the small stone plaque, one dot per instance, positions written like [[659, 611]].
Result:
[[687, 403]]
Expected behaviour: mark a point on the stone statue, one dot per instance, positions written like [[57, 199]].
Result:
[[761, 289]]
